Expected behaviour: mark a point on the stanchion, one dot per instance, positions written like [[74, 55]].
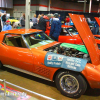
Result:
[[4, 89], [5, 82]]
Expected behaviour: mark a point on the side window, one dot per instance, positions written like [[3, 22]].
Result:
[[14, 40]]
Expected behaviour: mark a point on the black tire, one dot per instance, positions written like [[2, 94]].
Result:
[[70, 84], [1, 66]]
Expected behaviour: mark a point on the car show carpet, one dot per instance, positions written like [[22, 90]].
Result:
[[12, 94]]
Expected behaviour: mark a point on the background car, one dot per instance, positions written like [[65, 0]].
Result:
[[18, 22], [12, 20], [70, 35]]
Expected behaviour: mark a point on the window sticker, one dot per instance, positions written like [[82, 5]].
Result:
[[49, 41], [43, 43]]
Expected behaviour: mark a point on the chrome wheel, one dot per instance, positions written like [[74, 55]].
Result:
[[69, 84]]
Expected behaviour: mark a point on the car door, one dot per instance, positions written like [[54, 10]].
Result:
[[20, 57]]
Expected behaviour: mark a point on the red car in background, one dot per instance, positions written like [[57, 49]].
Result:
[[70, 35]]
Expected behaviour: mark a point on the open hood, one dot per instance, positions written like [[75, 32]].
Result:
[[87, 37], [98, 20]]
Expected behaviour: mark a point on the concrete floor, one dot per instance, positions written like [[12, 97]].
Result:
[[41, 86]]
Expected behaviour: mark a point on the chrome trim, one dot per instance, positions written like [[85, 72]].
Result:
[[69, 84], [27, 72], [25, 41]]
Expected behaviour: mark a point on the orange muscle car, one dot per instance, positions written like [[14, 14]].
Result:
[[70, 66]]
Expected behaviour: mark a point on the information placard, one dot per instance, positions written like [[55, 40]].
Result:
[[66, 62]]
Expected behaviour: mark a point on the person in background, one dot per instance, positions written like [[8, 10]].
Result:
[[22, 21], [42, 15], [67, 20], [96, 28], [55, 27], [4, 19], [7, 26], [39, 16], [44, 23], [13, 25], [60, 17], [34, 20], [71, 23], [19, 26], [51, 19]]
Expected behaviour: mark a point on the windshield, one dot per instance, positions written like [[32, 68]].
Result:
[[37, 39], [72, 30]]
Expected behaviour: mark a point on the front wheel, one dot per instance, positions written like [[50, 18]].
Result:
[[70, 84]]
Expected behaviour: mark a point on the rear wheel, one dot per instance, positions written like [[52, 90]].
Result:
[[70, 84]]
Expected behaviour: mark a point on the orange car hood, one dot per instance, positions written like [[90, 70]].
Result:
[[87, 37], [98, 20]]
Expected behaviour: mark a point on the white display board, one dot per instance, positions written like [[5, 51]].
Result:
[[6, 3]]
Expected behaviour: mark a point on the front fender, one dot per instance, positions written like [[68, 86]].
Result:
[[92, 75]]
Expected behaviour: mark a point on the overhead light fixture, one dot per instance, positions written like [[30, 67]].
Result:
[[81, 1]]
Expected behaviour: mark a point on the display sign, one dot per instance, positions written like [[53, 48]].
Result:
[[66, 62]]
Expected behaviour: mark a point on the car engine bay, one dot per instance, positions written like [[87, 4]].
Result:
[[71, 52]]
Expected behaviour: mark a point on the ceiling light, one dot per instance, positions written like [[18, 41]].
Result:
[[81, 1]]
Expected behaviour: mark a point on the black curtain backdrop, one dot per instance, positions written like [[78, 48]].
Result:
[[65, 13]]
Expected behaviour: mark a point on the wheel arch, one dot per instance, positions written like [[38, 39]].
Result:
[[61, 69]]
